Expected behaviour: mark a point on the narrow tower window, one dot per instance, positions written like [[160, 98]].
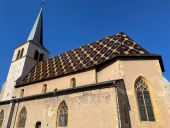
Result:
[[22, 51], [18, 54], [22, 118], [1, 118], [62, 117], [44, 88], [38, 125], [144, 100], [73, 82], [36, 55], [22, 93], [41, 57]]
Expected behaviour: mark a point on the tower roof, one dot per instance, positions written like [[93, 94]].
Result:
[[36, 34]]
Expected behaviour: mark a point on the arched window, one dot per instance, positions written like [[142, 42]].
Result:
[[62, 115], [22, 93], [22, 118], [73, 82], [36, 55], [144, 100], [22, 51], [38, 125], [44, 88], [41, 57], [1, 118], [18, 54]]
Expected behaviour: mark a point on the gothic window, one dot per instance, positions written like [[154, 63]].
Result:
[[18, 54], [38, 125], [144, 100], [73, 82], [41, 57], [22, 118], [44, 88], [22, 93], [22, 51], [62, 117], [36, 55], [1, 118]]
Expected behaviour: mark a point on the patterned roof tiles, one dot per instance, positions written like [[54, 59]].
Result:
[[84, 57]]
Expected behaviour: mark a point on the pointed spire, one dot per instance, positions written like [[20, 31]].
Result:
[[36, 34]]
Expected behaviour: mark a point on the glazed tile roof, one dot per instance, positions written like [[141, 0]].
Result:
[[84, 57]]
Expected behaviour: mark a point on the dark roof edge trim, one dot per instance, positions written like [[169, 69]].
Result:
[[106, 84]]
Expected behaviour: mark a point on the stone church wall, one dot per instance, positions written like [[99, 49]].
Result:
[[150, 69], [6, 109], [129, 71], [89, 109]]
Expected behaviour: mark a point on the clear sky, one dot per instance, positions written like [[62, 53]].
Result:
[[71, 23]]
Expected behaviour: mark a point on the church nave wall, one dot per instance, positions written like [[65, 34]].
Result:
[[89, 109]]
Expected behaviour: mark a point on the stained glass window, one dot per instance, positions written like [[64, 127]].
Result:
[[22, 118], [62, 115], [144, 100], [1, 118]]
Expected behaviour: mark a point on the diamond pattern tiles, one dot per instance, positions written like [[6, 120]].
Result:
[[84, 57]]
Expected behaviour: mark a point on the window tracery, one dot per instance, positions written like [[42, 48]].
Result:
[[144, 100], [22, 118], [62, 118]]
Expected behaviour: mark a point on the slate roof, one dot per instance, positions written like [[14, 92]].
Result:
[[36, 34], [84, 57]]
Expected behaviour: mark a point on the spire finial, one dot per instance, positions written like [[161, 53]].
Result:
[[42, 3]]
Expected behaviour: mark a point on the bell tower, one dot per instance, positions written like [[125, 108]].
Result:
[[25, 57]]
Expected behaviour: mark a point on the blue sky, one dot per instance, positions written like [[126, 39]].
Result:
[[72, 23]]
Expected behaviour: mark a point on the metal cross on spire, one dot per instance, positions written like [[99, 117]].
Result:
[[42, 3]]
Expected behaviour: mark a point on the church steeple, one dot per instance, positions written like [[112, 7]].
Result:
[[36, 34], [25, 57]]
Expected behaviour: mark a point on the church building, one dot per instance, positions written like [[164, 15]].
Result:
[[109, 83]]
